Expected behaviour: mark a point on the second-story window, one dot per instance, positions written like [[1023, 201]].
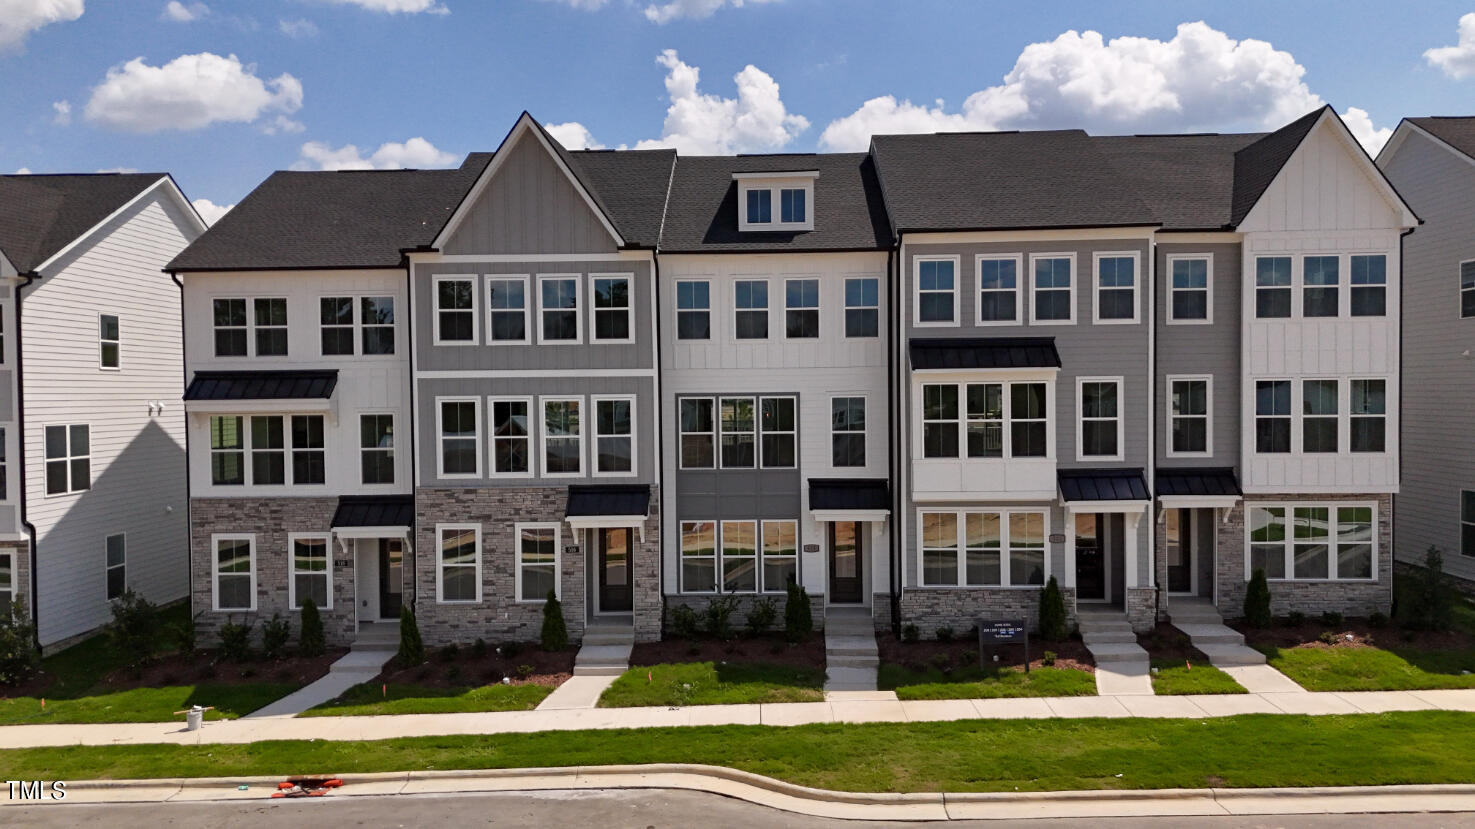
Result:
[[614, 435], [460, 444], [801, 308], [985, 403], [558, 312], [227, 450], [230, 327], [269, 316], [563, 437], [1467, 288], [1101, 419], [1189, 289], [998, 289], [1369, 413], [1188, 409], [936, 291], [268, 450], [1053, 299], [510, 437], [940, 421], [1369, 286], [779, 425], [760, 207], [848, 431], [376, 448], [377, 320], [507, 304], [1025, 422], [1116, 289], [336, 331], [1028, 420], [1273, 287], [693, 309], [750, 309], [309, 460], [1320, 295], [1319, 416], [266, 444], [1272, 416], [698, 434], [109, 338], [612, 308], [862, 307], [739, 433], [792, 207], [68, 459], [365, 321], [455, 311]]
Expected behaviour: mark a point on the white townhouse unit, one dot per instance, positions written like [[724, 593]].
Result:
[[93, 499]]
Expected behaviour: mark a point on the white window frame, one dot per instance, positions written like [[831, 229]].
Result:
[[357, 325], [760, 432], [1290, 417], [4, 464], [244, 450], [756, 558], [67, 459], [1460, 514], [716, 556], [475, 309], [1289, 542], [1253, 311], [530, 439], [1299, 415], [1208, 381], [1008, 419], [293, 449], [4, 349], [393, 436], [1460, 286], [1208, 259], [1034, 290], [863, 432], [957, 291], [767, 309], [678, 310], [215, 539], [527, 304], [763, 557], [103, 342], [440, 563], [1121, 405], [109, 567], [256, 326], [352, 326], [214, 328], [543, 401], [978, 289], [756, 431], [292, 538], [440, 436], [716, 429], [846, 308], [817, 309], [10, 589], [594, 401], [961, 548], [1353, 416], [579, 316], [594, 311], [517, 562], [1097, 287], [1298, 275], [775, 184]]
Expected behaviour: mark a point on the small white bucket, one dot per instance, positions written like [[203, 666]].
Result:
[[194, 718]]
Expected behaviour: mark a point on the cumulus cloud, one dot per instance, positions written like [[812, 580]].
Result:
[[118, 170], [701, 124], [1360, 124], [1201, 79], [210, 211], [396, 6], [282, 124], [574, 136], [689, 9], [189, 92], [24, 171], [584, 5], [1456, 61], [415, 153], [177, 12], [18, 18], [299, 28], [63, 113]]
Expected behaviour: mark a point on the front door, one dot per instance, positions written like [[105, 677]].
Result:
[[1178, 543], [1090, 558], [391, 577], [614, 569], [845, 559]]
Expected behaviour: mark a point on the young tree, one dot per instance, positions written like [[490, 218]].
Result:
[[1257, 601], [554, 636], [1054, 623]]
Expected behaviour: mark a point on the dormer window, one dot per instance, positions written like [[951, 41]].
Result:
[[775, 201]]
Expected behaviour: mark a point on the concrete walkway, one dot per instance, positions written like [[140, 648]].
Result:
[[605, 649], [577, 692], [1121, 663], [371, 651], [851, 657], [777, 714], [1225, 647]]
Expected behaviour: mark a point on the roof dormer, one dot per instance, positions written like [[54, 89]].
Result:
[[782, 200]]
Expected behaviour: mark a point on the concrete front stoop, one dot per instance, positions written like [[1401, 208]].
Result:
[[1226, 648], [375, 645], [606, 648], [851, 658], [1122, 667]]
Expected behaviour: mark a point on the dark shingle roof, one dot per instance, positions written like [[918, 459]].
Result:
[[608, 499], [1187, 180], [374, 511], [632, 187], [849, 493], [1103, 485], [1211, 481], [1256, 166], [983, 352], [40, 215], [1456, 131], [262, 385], [702, 213]]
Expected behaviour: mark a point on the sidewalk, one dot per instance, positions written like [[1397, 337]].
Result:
[[777, 714]]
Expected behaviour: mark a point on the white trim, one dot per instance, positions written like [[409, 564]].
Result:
[[767, 310], [108, 568], [774, 185], [308, 405], [102, 341], [1288, 543], [777, 174], [357, 325], [864, 432], [818, 313], [527, 304], [978, 289], [492, 374], [440, 565], [189, 210], [867, 515], [543, 401], [961, 546], [215, 539], [1121, 405], [440, 436], [1097, 288], [961, 382], [1124, 507], [716, 557], [1208, 289], [594, 401], [761, 580], [1459, 286], [677, 310], [916, 290], [1208, 380], [756, 557], [517, 563], [579, 316], [67, 459], [530, 438], [759, 432], [474, 310], [718, 431], [629, 279], [1143, 232], [292, 539], [435, 258], [846, 308], [1034, 290], [1198, 501], [393, 445]]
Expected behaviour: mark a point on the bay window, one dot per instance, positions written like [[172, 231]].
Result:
[[983, 548], [985, 419], [698, 433]]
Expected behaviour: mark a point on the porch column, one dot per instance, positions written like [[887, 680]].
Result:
[[1131, 557]]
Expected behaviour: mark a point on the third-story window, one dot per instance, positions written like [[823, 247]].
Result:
[[1369, 286], [116, 553], [336, 315], [1190, 290], [612, 308], [377, 320], [792, 205], [698, 434], [848, 431], [108, 341], [614, 435], [68, 459], [376, 448], [1053, 296], [739, 425], [507, 304], [1100, 418], [268, 450], [1320, 296], [801, 308], [230, 327], [458, 438], [779, 424], [309, 461], [1369, 411], [558, 309], [563, 437], [1116, 288], [750, 309], [998, 290], [1273, 287], [270, 319], [1189, 411], [693, 310], [510, 437], [1319, 415], [760, 207], [936, 290], [455, 311], [862, 307], [1272, 416], [1467, 289]]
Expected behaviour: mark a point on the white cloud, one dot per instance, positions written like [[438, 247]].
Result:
[[701, 124], [689, 9], [24, 171], [18, 18], [415, 153], [63, 110], [189, 92], [584, 5], [1457, 61], [301, 27], [396, 6], [118, 170], [282, 124], [177, 12], [1370, 137], [210, 211], [574, 136]]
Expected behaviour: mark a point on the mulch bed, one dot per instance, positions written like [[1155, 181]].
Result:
[[182, 668], [458, 667], [1308, 634], [920, 656], [771, 649], [1168, 642]]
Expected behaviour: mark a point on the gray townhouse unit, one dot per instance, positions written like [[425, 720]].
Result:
[[918, 381], [1432, 163], [92, 447]]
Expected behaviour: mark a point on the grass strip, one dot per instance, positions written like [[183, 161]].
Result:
[[1172, 677], [709, 683], [1373, 669], [973, 682], [373, 698]]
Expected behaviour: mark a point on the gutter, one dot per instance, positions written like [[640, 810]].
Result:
[[20, 424], [189, 511], [655, 287]]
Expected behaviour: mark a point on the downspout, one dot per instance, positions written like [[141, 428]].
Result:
[[1149, 315], [660, 441], [20, 424], [412, 549], [892, 447], [1393, 499], [189, 501]]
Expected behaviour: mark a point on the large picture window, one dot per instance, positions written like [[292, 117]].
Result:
[[739, 556], [983, 548], [458, 562], [1312, 542]]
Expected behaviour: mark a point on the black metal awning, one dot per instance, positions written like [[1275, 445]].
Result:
[[608, 500], [936, 354], [374, 511], [1103, 485], [262, 385], [849, 494], [1204, 482]]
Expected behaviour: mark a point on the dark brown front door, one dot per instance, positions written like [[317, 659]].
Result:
[[845, 559], [391, 577], [1090, 558], [614, 569], [1178, 532]]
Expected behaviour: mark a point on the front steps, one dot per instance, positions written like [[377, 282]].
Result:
[[1225, 647], [851, 658], [1122, 667], [606, 648]]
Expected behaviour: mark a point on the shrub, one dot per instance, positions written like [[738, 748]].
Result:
[[449, 653], [762, 616], [1377, 619], [554, 635], [944, 634], [509, 650], [411, 646], [1331, 619], [1330, 637], [310, 640], [717, 617], [684, 621], [1431, 602], [18, 655], [797, 621], [275, 634], [134, 632], [1257, 601], [479, 648], [1295, 618], [453, 673], [235, 641], [1048, 658], [183, 633], [1054, 624], [910, 634], [525, 671]]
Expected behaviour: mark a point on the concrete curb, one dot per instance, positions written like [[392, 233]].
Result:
[[803, 800]]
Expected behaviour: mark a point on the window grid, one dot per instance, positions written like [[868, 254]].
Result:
[[1190, 296], [862, 307], [560, 309], [779, 422], [1369, 291], [460, 439], [537, 562], [563, 436], [983, 548], [937, 291], [998, 290], [801, 309], [269, 318], [1116, 288], [739, 556], [1052, 298], [234, 572], [1189, 424], [693, 309], [507, 309], [309, 455], [1025, 419], [458, 563], [848, 431], [1320, 286], [376, 448], [1319, 410], [68, 458], [455, 310], [1100, 408], [739, 426], [511, 436], [614, 435], [109, 342], [1273, 287], [1368, 414], [1311, 541], [312, 571], [115, 563], [612, 307], [1273, 416], [750, 309], [698, 433]]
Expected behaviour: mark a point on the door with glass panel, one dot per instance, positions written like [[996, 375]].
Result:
[[1178, 530], [614, 569], [845, 558], [391, 577], [1090, 558]]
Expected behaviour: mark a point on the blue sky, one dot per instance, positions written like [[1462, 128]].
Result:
[[222, 92]]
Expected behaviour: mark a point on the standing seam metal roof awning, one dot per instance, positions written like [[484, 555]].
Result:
[[934, 354], [1103, 485], [374, 511], [262, 385], [849, 494], [609, 500], [1197, 482]]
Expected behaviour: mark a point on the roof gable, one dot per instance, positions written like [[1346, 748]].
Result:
[[1454, 134], [43, 215]]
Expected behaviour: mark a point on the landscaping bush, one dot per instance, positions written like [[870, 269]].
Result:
[[1054, 624], [411, 646], [1377, 619], [310, 640], [1331, 619], [1257, 601], [910, 634], [450, 653], [554, 635], [797, 621], [717, 617], [684, 621], [275, 634], [944, 634], [509, 650], [1329, 637], [134, 631], [1048, 658], [479, 648], [1295, 618], [18, 655], [235, 641], [762, 616], [1431, 601]]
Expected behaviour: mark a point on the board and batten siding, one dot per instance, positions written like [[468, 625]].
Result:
[[1438, 375], [137, 455]]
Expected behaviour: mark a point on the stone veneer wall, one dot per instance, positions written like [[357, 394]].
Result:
[[960, 608], [1353, 598], [270, 520], [20, 572], [881, 611], [699, 602], [1141, 606]]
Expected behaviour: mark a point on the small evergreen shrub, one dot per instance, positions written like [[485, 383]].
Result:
[[450, 653], [1377, 619], [1330, 637], [910, 634], [1257, 601], [1054, 623], [944, 634], [275, 634], [1331, 619], [1432, 599], [18, 655], [310, 640], [717, 618], [235, 641], [411, 646], [509, 650], [798, 623], [1048, 658], [479, 648], [684, 621], [762, 616], [1295, 618], [554, 635], [134, 631]]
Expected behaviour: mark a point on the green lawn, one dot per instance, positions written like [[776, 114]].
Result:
[[974, 682], [1373, 669], [708, 683], [973, 755], [1172, 676], [372, 698]]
